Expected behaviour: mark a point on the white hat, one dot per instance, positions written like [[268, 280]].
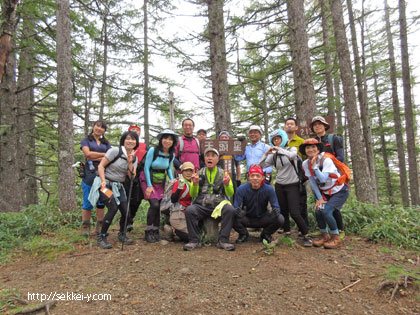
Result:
[[254, 127]]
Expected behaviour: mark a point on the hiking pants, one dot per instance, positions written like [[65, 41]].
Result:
[[196, 213], [270, 223], [113, 207], [136, 198], [335, 202], [289, 197], [304, 203]]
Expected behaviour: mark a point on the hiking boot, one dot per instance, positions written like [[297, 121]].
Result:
[[266, 237], [123, 238], [98, 227], [129, 227], [334, 242], [85, 230], [150, 238], [156, 235], [225, 246], [167, 230], [307, 241], [242, 238], [192, 246], [102, 242], [325, 237]]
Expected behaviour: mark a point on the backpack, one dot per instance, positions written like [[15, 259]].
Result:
[[298, 168], [342, 168], [166, 202], [181, 146], [331, 141]]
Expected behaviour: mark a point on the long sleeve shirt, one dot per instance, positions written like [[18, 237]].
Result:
[[253, 154], [255, 201], [161, 163]]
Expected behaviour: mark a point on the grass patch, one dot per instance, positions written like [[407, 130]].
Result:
[[47, 249], [7, 299]]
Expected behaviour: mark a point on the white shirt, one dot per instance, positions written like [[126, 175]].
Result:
[[327, 167]]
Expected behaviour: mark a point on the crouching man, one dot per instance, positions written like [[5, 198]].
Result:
[[251, 201], [211, 189]]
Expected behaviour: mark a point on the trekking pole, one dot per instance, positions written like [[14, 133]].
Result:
[[126, 211]]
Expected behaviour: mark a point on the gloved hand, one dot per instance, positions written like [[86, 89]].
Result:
[[279, 217], [238, 183]]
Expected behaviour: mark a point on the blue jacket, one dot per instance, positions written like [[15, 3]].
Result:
[[255, 201]]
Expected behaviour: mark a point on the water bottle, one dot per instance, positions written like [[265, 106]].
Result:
[[91, 166]]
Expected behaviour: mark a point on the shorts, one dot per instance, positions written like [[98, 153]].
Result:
[[178, 221], [86, 203]]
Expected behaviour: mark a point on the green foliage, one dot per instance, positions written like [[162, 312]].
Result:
[[7, 298], [19, 227], [45, 248], [394, 225], [397, 272]]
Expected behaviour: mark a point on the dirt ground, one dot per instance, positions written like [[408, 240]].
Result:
[[164, 279]]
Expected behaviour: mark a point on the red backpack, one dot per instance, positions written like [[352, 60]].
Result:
[[342, 168]]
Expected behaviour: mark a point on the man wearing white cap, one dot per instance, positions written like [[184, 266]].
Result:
[[210, 190], [255, 151]]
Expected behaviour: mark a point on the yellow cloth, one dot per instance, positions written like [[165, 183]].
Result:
[[217, 212]]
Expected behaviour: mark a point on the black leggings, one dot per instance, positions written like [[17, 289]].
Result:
[[153, 215], [112, 211], [289, 200]]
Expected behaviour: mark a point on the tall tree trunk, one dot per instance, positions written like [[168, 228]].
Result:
[[383, 142], [11, 192], [219, 82], [408, 107], [66, 180], [105, 65], [146, 76], [396, 109], [363, 182], [265, 110], [327, 57], [301, 65], [26, 118], [364, 110], [337, 102]]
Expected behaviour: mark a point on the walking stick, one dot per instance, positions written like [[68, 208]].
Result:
[[128, 207]]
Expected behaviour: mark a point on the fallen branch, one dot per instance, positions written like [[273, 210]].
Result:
[[350, 285], [46, 305], [95, 274], [259, 260], [397, 285]]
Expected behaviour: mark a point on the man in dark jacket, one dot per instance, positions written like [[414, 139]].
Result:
[[251, 201]]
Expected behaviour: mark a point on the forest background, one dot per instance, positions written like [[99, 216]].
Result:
[[230, 64]]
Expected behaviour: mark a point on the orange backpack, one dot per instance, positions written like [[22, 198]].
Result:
[[342, 168]]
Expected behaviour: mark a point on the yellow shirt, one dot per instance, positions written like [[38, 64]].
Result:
[[296, 142]]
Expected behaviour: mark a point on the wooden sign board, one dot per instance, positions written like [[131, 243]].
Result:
[[304, 130], [224, 147]]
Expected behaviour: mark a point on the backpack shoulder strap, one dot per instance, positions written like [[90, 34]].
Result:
[[181, 146], [331, 141], [119, 155]]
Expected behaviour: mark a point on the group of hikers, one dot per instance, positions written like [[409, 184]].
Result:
[[187, 186]]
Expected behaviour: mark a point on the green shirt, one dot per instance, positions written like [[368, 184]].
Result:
[[296, 142]]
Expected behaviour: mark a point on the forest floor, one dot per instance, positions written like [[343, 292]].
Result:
[[161, 278]]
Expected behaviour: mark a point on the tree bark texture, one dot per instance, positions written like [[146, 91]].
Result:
[[396, 110], [362, 180], [11, 192], [146, 76], [26, 117], [410, 130], [327, 57], [301, 64], [66, 184], [220, 89], [364, 110]]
